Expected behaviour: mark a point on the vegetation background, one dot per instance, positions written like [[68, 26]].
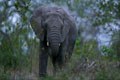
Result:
[[97, 52]]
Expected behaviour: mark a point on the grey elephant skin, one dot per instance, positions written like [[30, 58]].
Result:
[[57, 32]]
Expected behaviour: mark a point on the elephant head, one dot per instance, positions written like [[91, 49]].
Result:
[[51, 24]]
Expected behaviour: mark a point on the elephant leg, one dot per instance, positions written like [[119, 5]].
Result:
[[54, 65], [71, 46], [43, 59], [60, 59], [70, 50], [62, 54]]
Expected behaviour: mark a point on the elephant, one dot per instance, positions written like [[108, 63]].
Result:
[[57, 32]]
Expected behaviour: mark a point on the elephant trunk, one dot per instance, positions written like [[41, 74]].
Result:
[[55, 50], [54, 40]]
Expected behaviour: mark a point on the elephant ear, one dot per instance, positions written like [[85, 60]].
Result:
[[36, 23], [66, 27]]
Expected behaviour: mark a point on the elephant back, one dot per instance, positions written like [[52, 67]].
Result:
[[44, 11]]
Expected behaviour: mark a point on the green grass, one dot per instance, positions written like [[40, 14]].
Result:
[[86, 64]]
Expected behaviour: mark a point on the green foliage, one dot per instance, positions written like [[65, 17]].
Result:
[[10, 58], [6, 57], [106, 11], [110, 53], [15, 36], [103, 75], [87, 49], [4, 76], [108, 74], [107, 51], [116, 44]]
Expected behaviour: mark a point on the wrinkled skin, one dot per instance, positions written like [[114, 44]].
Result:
[[57, 33]]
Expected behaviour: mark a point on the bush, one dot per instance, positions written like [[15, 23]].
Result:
[[4, 76], [10, 56]]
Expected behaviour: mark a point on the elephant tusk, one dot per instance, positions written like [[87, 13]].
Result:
[[59, 44], [47, 43]]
